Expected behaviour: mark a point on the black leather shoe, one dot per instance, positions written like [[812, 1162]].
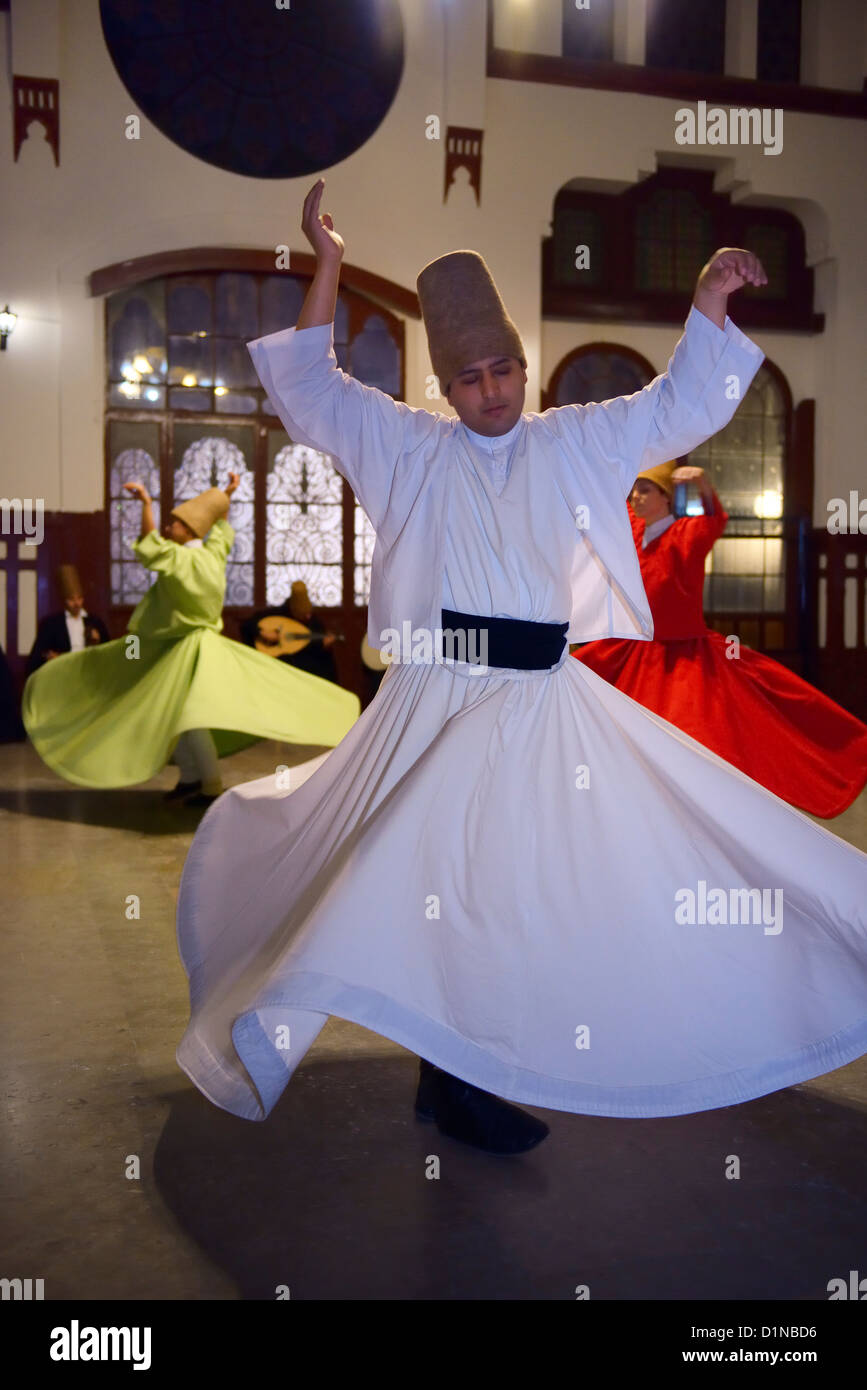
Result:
[[202, 799], [182, 790], [424, 1097], [474, 1117]]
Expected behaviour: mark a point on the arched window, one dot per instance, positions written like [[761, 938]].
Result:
[[597, 372], [375, 358], [207, 462], [746, 463], [304, 526], [129, 579], [185, 408]]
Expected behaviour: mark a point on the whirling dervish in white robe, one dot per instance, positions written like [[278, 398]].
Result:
[[521, 875]]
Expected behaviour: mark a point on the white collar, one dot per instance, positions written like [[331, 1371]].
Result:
[[70, 619], [494, 443], [656, 528], [194, 544]]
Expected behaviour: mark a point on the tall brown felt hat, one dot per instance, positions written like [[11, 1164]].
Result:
[[464, 316], [69, 582], [661, 475], [201, 512]]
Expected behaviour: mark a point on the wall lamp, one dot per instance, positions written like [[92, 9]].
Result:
[[8, 321]]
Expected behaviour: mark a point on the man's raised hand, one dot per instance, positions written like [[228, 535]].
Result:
[[729, 269], [319, 229]]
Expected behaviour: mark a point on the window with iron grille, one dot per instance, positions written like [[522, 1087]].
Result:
[[185, 409]]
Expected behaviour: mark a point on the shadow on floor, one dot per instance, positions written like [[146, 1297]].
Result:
[[329, 1197], [126, 808]]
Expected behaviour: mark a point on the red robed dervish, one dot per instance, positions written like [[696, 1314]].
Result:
[[748, 709]]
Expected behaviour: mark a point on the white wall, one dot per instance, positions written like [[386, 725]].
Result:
[[114, 199]]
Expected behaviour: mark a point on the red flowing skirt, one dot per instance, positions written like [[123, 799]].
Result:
[[750, 710]]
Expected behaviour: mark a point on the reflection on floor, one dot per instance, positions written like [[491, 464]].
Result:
[[330, 1197]]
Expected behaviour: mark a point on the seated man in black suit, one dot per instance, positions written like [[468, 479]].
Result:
[[70, 630]]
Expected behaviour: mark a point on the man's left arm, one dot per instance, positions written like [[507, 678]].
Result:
[[221, 536], [709, 373]]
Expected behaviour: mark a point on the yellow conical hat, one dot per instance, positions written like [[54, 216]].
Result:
[[201, 512], [464, 316], [661, 475]]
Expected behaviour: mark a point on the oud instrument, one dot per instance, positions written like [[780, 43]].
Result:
[[279, 636]]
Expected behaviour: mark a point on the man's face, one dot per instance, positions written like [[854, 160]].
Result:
[[177, 530], [74, 605], [489, 395], [648, 501]]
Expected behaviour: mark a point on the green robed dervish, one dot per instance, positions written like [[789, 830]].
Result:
[[113, 715]]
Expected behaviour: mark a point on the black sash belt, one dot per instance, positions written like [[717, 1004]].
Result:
[[508, 642]]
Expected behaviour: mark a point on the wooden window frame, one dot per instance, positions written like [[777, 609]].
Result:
[[549, 393], [619, 297], [360, 307], [719, 88]]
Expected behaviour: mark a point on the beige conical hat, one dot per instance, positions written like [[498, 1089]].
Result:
[[201, 512], [464, 316], [69, 582], [661, 475]]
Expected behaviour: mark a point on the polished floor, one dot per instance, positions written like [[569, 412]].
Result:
[[330, 1197]]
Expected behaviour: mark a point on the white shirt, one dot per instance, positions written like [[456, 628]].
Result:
[[490, 568], [408, 468], [75, 628]]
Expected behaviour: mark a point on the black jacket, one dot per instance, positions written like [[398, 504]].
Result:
[[53, 636]]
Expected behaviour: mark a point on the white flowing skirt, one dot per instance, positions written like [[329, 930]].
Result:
[[538, 885]]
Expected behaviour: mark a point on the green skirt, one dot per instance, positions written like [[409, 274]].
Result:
[[101, 719]]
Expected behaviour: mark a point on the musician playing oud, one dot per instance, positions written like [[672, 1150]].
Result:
[[310, 651]]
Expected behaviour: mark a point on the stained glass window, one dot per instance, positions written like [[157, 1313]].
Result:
[[136, 348], [304, 526], [375, 357], [745, 463], [673, 235], [282, 297], [771, 245], [129, 579], [599, 375], [207, 462], [365, 539], [182, 340], [574, 228]]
